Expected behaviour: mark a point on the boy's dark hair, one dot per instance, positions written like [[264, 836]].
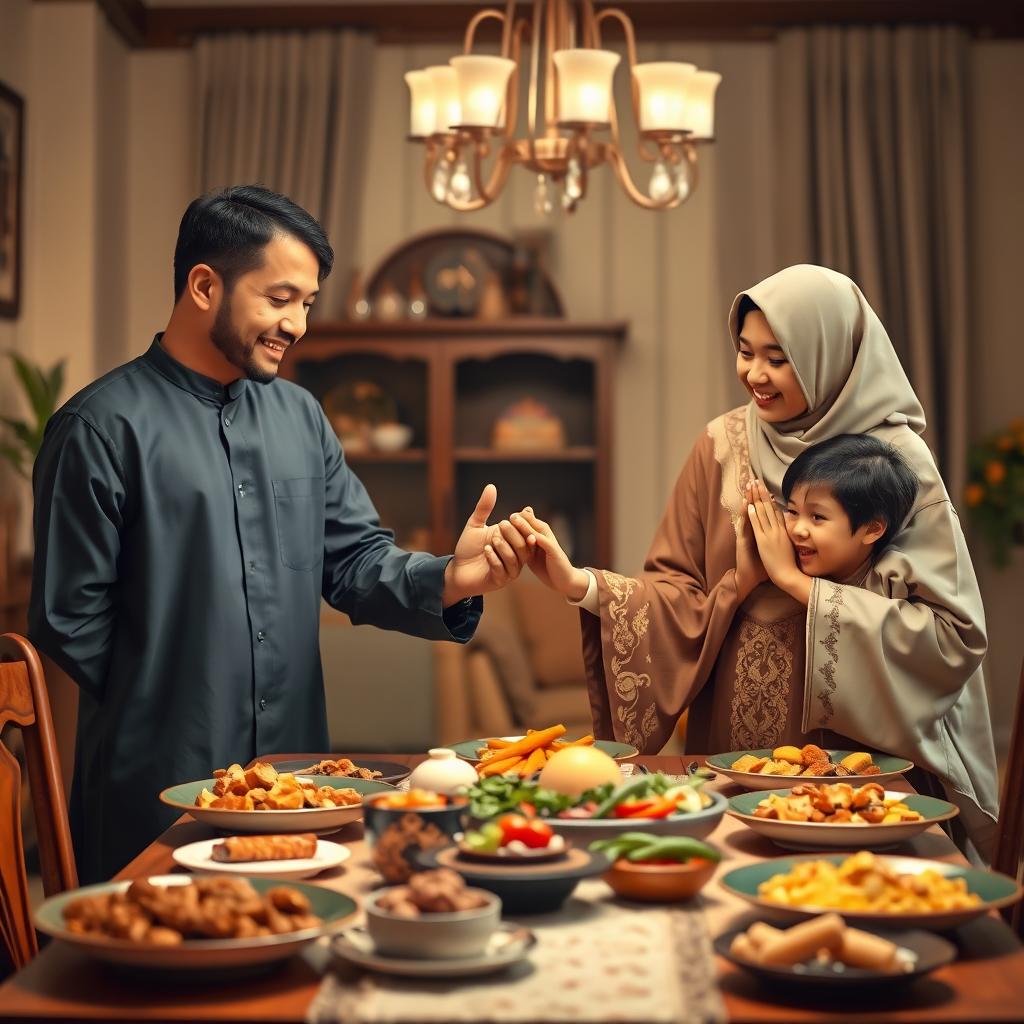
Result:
[[868, 477], [230, 228]]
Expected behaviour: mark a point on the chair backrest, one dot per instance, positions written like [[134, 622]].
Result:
[[1009, 855], [23, 701]]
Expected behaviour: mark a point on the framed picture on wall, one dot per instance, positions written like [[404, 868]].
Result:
[[12, 115]]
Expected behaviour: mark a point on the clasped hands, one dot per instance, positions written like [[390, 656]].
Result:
[[764, 550], [489, 556]]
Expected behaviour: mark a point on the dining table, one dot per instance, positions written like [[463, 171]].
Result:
[[984, 983]]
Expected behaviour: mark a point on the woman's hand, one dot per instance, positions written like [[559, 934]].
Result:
[[750, 571], [773, 544], [548, 561]]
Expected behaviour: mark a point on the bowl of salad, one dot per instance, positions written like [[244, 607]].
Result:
[[657, 804], [657, 868]]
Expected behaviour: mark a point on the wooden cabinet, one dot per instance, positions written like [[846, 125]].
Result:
[[450, 381]]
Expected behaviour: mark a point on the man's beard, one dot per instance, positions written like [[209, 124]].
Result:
[[224, 335]]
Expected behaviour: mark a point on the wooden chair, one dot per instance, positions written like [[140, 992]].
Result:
[[1009, 855], [23, 701]]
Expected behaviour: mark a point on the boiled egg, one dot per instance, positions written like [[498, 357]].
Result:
[[574, 770]]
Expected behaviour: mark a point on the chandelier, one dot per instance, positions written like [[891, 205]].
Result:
[[465, 112]]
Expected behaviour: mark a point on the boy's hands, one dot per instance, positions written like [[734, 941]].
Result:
[[548, 561], [773, 543], [750, 572]]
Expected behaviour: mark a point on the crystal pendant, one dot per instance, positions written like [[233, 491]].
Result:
[[661, 185], [574, 180], [439, 186], [460, 188], [541, 198], [684, 179]]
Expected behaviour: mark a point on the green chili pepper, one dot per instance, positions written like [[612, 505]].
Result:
[[679, 848]]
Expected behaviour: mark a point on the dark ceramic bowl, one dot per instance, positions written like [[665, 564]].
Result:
[[397, 835], [523, 888]]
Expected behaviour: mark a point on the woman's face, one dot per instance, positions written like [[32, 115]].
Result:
[[765, 372]]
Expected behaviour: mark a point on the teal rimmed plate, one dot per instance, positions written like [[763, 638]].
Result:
[[334, 908], [822, 835], [993, 889], [467, 749], [320, 820], [890, 768]]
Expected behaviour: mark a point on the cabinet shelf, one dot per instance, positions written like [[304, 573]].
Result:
[[577, 453], [406, 455]]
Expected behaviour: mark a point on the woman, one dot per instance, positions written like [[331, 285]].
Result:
[[889, 660]]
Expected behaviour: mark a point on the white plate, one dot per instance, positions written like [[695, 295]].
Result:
[[319, 820], [205, 955], [508, 945], [821, 835], [198, 857]]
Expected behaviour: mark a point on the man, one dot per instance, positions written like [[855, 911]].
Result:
[[190, 512]]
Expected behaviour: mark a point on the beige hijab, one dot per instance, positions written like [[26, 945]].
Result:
[[843, 360]]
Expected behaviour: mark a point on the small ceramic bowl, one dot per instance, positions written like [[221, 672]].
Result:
[[659, 883], [445, 936], [391, 437], [396, 835]]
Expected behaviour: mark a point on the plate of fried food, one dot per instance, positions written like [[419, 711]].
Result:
[[525, 755], [175, 922], [289, 856], [336, 766], [824, 952], [261, 799], [838, 816], [790, 765], [871, 889]]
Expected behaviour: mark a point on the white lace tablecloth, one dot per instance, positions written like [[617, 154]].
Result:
[[595, 960]]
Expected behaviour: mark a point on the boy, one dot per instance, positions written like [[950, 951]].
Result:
[[845, 499]]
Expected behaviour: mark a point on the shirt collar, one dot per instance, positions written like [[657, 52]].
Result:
[[189, 380]]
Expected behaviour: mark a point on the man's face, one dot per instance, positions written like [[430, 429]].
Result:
[[820, 531], [266, 310]]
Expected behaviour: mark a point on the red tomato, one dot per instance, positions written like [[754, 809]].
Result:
[[530, 832]]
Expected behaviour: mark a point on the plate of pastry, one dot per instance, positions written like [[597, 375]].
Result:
[[873, 890], [289, 856], [262, 799], [790, 765], [837, 815], [193, 924], [825, 953]]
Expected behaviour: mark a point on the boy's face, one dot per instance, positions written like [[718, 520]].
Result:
[[266, 310], [820, 531]]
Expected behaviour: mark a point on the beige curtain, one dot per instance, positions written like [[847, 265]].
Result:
[[291, 111], [871, 181]]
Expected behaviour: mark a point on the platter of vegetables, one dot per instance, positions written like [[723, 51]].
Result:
[[513, 837], [655, 803]]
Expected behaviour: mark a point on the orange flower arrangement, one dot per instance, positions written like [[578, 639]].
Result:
[[995, 493]]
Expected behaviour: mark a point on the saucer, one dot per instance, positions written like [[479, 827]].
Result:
[[508, 945]]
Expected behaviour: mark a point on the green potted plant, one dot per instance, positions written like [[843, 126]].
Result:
[[42, 388], [995, 491]]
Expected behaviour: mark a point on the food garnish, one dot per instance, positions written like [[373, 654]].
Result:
[[645, 848], [513, 835]]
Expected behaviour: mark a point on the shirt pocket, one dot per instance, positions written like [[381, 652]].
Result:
[[299, 503]]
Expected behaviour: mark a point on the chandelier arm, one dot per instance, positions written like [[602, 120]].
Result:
[[512, 90], [591, 34], [630, 34], [507, 29], [488, 12], [535, 38], [429, 166], [496, 182], [690, 156], [615, 158], [550, 81]]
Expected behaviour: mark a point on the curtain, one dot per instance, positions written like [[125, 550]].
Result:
[[291, 111], [871, 181]]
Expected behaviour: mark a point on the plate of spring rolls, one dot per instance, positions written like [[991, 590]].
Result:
[[825, 952], [291, 856]]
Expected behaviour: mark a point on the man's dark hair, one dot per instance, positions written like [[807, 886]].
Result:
[[868, 477], [230, 228]]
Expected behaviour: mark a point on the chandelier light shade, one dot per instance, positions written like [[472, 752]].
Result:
[[482, 85], [465, 113]]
